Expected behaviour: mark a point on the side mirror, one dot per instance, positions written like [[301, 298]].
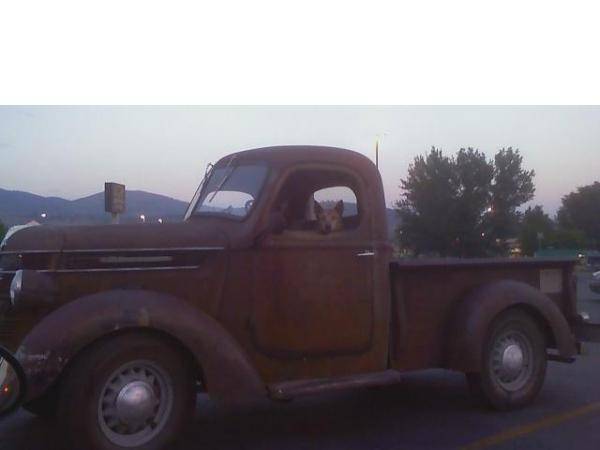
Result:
[[12, 383]]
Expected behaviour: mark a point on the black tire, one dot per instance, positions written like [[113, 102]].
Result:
[[81, 412], [501, 384]]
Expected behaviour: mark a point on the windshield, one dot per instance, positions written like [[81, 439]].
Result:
[[230, 191]]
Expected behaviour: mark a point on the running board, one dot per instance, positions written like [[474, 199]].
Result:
[[288, 390]]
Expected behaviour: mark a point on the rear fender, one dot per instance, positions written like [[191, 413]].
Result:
[[60, 336], [473, 317]]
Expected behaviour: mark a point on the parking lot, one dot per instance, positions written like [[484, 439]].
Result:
[[428, 410]]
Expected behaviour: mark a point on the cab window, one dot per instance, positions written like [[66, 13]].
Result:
[[231, 191], [319, 203]]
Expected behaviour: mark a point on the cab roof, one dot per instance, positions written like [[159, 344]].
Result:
[[286, 155]]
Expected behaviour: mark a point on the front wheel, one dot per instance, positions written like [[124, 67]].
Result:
[[513, 362], [131, 391]]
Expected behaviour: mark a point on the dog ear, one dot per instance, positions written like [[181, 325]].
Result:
[[318, 208], [339, 207]]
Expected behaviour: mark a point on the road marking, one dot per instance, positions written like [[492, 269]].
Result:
[[520, 431]]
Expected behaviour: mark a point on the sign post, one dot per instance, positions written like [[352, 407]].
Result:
[[114, 200]]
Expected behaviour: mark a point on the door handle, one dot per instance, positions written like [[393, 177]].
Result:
[[366, 253]]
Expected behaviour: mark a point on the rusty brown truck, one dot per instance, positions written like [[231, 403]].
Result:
[[114, 328]]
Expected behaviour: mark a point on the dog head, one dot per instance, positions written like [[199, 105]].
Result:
[[329, 220]]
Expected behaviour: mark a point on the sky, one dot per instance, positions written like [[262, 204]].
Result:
[[71, 151]]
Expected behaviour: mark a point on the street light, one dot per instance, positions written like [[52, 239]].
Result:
[[43, 215], [143, 218], [379, 137]]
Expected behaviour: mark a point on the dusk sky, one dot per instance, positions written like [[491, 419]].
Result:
[[71, 151]]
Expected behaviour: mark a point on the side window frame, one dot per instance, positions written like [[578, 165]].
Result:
[[360, 232]]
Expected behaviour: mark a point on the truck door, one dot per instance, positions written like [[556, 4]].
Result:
[[313, 287]]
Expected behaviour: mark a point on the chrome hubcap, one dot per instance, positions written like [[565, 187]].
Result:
[[135, 403], [511, 360]]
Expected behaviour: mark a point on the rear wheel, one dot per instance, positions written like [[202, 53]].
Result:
[[132, 391], [513, 362]]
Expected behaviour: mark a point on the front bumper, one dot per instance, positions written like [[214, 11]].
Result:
[[13, 384]]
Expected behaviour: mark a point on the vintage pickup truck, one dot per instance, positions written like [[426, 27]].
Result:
[[114, 328]]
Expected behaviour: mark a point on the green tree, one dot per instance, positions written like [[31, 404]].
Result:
[[536, 228], [427, 208], [474, 174], [512, 186], [566, 238], [460, 206], [580, 211]]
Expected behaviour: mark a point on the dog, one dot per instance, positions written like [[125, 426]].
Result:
[[329, 220]]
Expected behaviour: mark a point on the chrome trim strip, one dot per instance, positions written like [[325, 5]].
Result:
[[120, 269], [134, 259], [106, 269], [150, 249], [27, 252], [113, 250]]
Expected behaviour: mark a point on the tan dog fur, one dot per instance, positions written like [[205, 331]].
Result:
[[329, 220]]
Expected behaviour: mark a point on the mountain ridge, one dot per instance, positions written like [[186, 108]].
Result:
[[21, 206]]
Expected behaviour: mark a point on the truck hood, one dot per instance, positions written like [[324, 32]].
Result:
[[114, 238]]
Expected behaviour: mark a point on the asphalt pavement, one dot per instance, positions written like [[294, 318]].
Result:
[[428, 410]]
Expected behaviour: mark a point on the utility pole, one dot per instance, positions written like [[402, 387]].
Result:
[[378, 137]]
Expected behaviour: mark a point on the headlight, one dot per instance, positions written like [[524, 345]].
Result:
[[16, 286], [29, 288]]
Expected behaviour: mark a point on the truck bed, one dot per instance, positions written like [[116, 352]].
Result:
[[426, 293]]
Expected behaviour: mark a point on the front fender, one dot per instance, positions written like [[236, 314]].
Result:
[[61, 335], [473, 317]]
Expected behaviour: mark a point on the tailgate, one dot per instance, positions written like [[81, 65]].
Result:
[[587, 325]]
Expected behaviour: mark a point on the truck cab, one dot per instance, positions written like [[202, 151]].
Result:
[[299, 298]]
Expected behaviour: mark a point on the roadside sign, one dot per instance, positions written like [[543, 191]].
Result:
[[114, 198]]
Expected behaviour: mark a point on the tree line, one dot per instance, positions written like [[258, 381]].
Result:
[[466, 205]]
